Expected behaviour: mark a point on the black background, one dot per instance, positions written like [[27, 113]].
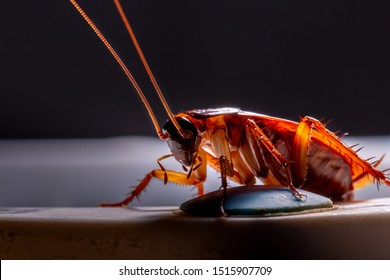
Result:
[[327, 59]]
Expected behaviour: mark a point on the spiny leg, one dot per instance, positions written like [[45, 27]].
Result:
[[173, 177], [224, 166], [257, 131], [134, 193], [236, 176], [162, 167]]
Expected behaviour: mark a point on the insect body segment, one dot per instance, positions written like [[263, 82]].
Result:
[[243, 146]]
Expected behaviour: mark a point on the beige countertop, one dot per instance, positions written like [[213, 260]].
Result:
[[358, 230]]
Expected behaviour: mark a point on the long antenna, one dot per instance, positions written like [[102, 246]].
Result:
[[123, 66], [146, 65]]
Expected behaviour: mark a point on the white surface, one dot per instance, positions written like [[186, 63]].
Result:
[[357, 230], [87, 172]]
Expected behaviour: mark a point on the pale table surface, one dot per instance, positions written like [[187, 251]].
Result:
[[358, 230]]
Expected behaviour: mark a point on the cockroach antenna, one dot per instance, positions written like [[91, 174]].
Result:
[[128, 73], [146, 65]]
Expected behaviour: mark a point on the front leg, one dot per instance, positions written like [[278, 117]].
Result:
[[173, 177]]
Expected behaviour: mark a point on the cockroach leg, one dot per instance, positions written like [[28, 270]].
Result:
[[258, 132], [162, 167], [134, 193], [174, 177], [224, 166], [297, 194]]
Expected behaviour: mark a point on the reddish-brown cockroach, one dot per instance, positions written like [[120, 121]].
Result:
[[243, 146]]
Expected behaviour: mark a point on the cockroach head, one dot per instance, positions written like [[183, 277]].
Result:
[[184, 146]]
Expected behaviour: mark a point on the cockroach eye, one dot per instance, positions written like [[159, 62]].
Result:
[[184, 149], [189, 130]]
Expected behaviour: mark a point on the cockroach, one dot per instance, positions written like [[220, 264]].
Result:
[[243, 146]]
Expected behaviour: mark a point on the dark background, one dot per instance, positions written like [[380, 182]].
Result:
[[284, 58]]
